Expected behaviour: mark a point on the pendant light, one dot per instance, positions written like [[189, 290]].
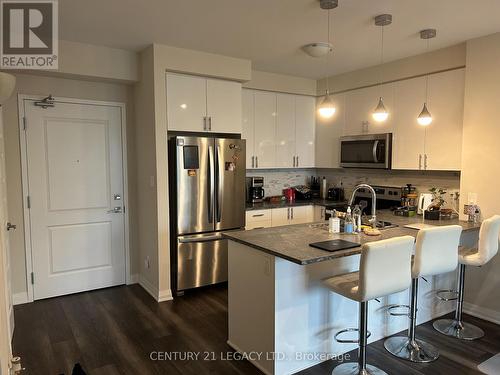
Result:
[[425, 118], [380, 113], [326, 108]]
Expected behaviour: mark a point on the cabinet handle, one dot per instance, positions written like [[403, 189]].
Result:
[[258, 215], [420, 161], [288, 213], [297, 161], [253, 161], [204, 122], [294, 161], [425, 162], [210, 123], [256, 162], [292, 212]]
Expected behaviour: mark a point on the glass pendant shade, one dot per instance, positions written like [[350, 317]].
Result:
[[424, 118], [380, 114], [326, 109]]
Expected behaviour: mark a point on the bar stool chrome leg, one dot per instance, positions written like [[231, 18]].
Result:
[[360, 368], [410, 348], [456, 327]]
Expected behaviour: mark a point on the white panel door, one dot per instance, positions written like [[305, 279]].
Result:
[[408, 140], [305, 124], [75, 182], [285, 131], [247, 125], [265, 129], [6, 311], [224, 106], [328, 133], [443, 143], [186, 102]]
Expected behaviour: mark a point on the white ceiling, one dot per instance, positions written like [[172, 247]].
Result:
[[271, 32]]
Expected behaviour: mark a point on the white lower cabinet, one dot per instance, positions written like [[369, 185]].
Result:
[[276, 217], [258, 219]]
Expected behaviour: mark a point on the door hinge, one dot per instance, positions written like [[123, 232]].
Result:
[[32, 278], [24, 123], [28, 201]]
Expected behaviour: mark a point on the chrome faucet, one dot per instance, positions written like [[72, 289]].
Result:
[[373, 220]]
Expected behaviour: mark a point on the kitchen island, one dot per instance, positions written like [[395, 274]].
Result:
[[279, 309]]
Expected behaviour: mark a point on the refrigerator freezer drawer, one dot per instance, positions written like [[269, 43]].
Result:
[[201, 260]]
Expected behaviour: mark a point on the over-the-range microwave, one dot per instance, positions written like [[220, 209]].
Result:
[[366, 151]]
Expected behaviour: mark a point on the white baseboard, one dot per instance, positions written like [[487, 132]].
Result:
[[134, 279], [236, 348], [165, 295], [482, 312], [20, 298], [160, 296]]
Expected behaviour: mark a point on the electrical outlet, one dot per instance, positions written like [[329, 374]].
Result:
[[147, 263]]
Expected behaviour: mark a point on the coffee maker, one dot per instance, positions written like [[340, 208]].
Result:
[[255, 189]]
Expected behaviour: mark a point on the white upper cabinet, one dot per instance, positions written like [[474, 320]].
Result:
[[199, 104], [265, 129], [224, 106], [285, 131], [438, 145], [328, 133], [360, 105], [186, 102], [305, 124], [443, 142], [248, 126], [408, 139]]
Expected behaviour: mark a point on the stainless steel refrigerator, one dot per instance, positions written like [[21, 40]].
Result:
[[207, 196]]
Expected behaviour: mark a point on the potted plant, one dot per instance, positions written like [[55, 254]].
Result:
[[434, 210]]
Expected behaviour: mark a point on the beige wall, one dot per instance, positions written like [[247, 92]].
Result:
[[87, 61], [443, 59], [481, 157], [281, 83], [38, 85]]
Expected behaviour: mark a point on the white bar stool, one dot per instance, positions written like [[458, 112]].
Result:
[[384, 269], [436, 252], [487, 249]]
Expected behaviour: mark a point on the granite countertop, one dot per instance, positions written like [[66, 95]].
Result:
[[291, 242], [313, 202]]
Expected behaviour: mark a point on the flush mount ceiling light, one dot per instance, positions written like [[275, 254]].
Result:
[[380, 113], [326, 108], [318, 49], [425, 118]]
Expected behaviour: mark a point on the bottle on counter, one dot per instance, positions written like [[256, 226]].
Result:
[[324, 188], [334, 223], [356, 218], [348, 221]]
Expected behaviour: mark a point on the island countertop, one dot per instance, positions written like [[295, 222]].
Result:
[[291, 242]]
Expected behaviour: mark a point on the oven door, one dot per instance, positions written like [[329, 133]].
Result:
[[366, 151]]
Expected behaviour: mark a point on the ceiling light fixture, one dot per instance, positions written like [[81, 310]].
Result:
[[326, 108], [318, 49], [380, 113], [425, 117]]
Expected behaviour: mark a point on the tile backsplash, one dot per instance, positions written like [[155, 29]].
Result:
[[275, 180]]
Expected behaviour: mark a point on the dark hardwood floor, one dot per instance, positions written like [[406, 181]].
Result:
[[114, 331]]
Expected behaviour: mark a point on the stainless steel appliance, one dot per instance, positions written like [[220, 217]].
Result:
[[388, 197], [255, 189], [366, 151], [207, 196]]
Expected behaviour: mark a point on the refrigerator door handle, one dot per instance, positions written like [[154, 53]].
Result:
[[220, 183], [210, 182], [215, 237]]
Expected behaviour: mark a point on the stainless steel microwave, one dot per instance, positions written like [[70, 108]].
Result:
[[366, 151]]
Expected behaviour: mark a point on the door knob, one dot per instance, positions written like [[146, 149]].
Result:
[[115, 210], [11, 226]]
